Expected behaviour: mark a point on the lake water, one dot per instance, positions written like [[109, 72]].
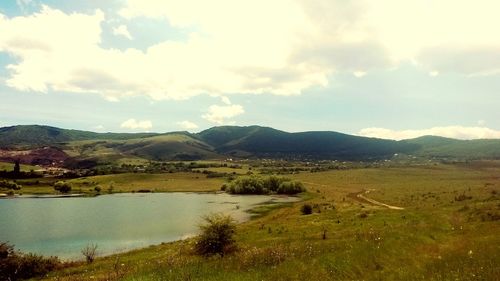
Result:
[[116, 223]]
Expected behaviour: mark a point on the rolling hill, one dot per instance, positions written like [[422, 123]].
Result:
[[272, 143], [34, 144], [37, 135]]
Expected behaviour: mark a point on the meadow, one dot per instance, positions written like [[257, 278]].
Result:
[[9, 166], [447, 229]]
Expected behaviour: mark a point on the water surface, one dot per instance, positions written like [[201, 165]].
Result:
[[118, 222]]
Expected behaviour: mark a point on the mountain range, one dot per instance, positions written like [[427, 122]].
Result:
[[36, 144]]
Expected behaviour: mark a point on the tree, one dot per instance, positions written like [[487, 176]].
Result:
[[216, 235], [17, 167]]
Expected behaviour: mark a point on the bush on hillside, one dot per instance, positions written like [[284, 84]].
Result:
[[62, 187], [259, 185], [306, 209], [216, 236], [90, 252], [17, 266], [10, 185]]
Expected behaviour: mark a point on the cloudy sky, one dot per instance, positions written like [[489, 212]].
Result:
[[387, 68]]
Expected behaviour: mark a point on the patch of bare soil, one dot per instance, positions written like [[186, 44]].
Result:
[[45, 156]]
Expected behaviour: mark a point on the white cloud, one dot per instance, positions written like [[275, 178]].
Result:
[[359, 74], [134, 124], [54, 49], [469, 61], [456, 132], [225, 100], [122, 30], [218, 114], [99, 128], [51, 47], [188, 125], [281, 47]]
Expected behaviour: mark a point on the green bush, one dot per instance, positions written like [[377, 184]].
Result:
[[259, 185], [247, 185], [10, 185], [291, 187], [18, 266], [216, 236], [62, 187]]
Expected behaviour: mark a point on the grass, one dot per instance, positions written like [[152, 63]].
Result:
[[128, 182], [10, 166], [435, 237], [166, 182]]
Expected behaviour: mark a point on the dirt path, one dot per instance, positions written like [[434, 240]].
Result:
[[361, 195]]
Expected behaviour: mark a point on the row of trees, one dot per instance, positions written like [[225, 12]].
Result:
[[263, 185]]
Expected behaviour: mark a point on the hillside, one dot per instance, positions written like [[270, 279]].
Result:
[[72, 148], [268, 142], [439, 147], [37, 135]]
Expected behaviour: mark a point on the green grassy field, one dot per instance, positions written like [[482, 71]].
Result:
[[154, 182], [10, 166], [448, 230], [128, 182]]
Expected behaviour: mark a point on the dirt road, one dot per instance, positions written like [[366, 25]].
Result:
[[360, 196]]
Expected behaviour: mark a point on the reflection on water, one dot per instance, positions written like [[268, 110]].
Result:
[[118, 222]]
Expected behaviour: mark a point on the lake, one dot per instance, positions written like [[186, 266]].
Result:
[[117, 222]]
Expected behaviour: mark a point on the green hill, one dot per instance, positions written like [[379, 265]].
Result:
[[268, 142], [37, 135], [44, 144], [169, 147], [439, 147]]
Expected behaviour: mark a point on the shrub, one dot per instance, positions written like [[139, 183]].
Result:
[[273, 183], [17, 266], [97, 189], [62, 187], [291, 187], [216, 235], [10, 185], [247, 185], [306, 209], [90, 252]]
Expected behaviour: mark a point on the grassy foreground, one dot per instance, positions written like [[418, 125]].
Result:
[[448, 230]]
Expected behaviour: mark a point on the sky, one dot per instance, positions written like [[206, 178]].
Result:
[[388, 68]]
